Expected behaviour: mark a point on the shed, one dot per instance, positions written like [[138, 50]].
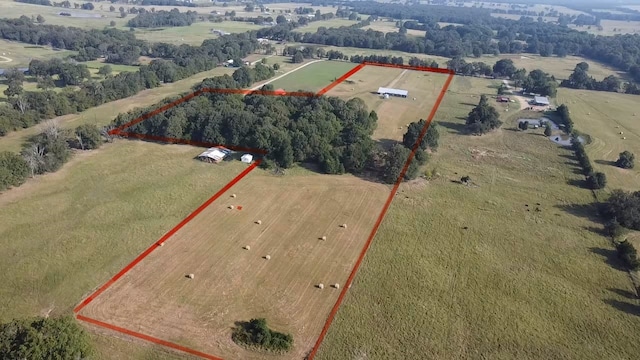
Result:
[[541, 100], [214, 154], [393, 92], [247, 158]]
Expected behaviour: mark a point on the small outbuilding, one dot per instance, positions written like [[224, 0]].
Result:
[[247, 158], [393, 92], [541, 101], [214, 154]]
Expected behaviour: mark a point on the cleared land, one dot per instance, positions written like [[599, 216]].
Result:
[[21, 54], [313, 77], [514, 284], [232, 284], [611, 27], [604, 115], [194, 34], [105, 113], [69, 231], [389, 25], [393, 113], [333, 23]]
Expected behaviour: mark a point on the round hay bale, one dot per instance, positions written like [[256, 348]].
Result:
[[231, 207], [190, 276], [320, 286], [233, 195], [247, 247], [344, 226], [624, 138], [259, 222], [161, 244], [268, 257], [336, 285], [324, 238]]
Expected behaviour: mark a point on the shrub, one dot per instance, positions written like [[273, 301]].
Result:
[[88, 136], [614, 229], [547, 130], [628, 254], [624, 207], [256, 334]]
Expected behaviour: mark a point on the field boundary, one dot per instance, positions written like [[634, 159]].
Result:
[[120, 131]]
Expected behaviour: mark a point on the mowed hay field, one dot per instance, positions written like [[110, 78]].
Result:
[[394, 113], [232, 284], [514, 284], [313, 77], [603, 116], [15, 54], [66, 233]]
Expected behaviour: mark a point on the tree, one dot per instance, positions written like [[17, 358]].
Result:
[[88, 136], [249, 7], [276, 66], [429, 140], [281, 19], [297, 58], [112, 8], [112, 23], [14, 89], [502, 89], [582, 66], [243, 76], [626, 160], [256, 333], [40, 19], [13, 170], [504, 68], [628, 253], [547, 130], [597, 180], [45, 82], [395, 160], [44, 338], [483, 117], [105, 70]]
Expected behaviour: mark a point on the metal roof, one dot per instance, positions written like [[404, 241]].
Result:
[[215, 153], [389, 91], [541, 100]]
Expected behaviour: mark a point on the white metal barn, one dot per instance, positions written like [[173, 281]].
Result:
[[247, 158], [393, 92]]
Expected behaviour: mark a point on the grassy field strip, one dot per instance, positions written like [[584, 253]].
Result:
[[313, 78], [285, 74]]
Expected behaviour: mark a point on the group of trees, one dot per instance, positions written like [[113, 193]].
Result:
[[580, 79], [44, 338], [256, 333], [68, 73], [483, 118], [626, 160], [161, 18], [595, 180]]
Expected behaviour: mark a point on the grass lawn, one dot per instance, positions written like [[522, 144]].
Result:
[[194, 34], [117, 68], [513, 283], [105, 113], [604, 115], [21, 54], [313, 77], [333, 23], [70, 231]]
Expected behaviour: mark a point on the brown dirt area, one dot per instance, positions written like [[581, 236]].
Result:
[[233, 284], [394, 113]]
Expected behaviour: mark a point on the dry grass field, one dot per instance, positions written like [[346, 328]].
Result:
[[393, 113], [389, 25], [21, 54], [333, 23], [603, 116], [233, 284], [466, 272], [611, 27]]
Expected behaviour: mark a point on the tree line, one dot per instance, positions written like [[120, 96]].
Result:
[[580, 79], [474, 37], [147, 19]]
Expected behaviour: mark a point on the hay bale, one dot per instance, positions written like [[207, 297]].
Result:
[[259, 222], [324, 238], [344, 226], [621, 133], [247, 247], [231, 207], [190, 276], [336, 285], [624, 138], [233, 195], [320, 286], [268, 257], [161, 244]]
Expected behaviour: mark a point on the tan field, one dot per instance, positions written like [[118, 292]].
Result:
[[394, 113], [233, 284]]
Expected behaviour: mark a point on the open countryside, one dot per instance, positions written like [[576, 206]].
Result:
[[503, 237]]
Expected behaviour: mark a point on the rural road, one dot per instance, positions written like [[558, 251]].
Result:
[[285, 74], [6, 59]]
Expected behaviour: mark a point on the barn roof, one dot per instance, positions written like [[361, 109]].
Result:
[[390, 91], [215, 153], [541, 100]]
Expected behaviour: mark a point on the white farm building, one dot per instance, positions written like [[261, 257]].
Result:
[[393, 92], [541, 100], [214, 154], [247, 158]]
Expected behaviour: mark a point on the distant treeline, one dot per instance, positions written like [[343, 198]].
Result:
[[163, 3], [160, 18], [474, 37]]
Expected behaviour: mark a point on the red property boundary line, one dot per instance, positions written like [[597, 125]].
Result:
[[120, 132]]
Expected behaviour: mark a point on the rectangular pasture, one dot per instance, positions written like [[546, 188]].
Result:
[[233, 284], [394, 113], [313, 77]]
